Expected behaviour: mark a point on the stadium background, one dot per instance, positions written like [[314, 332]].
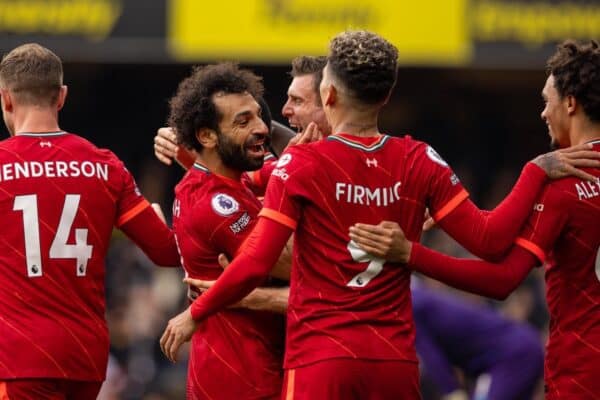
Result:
[[469, 84]]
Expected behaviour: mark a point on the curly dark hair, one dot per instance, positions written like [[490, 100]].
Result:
[[365, 63], [310, 65], [576, 70], [192, 107]]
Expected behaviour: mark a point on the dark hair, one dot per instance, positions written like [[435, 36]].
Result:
[[33, 73], [576, 71], [192, 107], [310, 65], [365, 63]]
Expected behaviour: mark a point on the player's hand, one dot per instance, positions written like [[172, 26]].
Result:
[[199, 284], [385, 240], [166, 149], [178, 331], [165, 145], [429, 221], [565, 162], [223, 261], [309, 135]]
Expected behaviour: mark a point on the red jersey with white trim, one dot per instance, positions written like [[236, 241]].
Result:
[[237, 353], [258, 179], [564, 231], [344, 303], [60, 197]]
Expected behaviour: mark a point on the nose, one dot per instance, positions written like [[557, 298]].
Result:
[[287, 110], [543, 114]]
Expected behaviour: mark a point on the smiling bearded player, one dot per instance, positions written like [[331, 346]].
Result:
[[236, 354]]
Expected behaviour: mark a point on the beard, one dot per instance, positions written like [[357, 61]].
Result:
[[235, 155]]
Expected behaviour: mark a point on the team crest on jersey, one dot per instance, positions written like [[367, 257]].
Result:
[[435, 157], [284, 160], [224, 204]]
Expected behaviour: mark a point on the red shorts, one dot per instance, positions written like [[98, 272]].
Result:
[[48, 389], [350, 379]]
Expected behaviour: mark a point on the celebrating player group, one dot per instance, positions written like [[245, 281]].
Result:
[[298, 247]]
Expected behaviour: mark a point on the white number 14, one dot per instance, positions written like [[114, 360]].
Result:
[[80, 251]]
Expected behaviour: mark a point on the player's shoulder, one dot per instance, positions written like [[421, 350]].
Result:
[[572, 189], [90, 150]]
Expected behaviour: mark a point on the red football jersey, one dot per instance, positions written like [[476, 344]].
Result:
[[343, 302], [564, 231], [259, 178], [237, 353], [60, 197]]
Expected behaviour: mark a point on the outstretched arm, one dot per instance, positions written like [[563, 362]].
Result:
[[248, 270], [496, 280]]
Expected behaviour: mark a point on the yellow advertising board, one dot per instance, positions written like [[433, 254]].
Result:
[[432, 32]]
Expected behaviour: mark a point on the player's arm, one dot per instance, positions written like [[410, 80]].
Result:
[[495, 280], [490, 234], [247, 271], [274, 299], [153, 236], [283, 266]]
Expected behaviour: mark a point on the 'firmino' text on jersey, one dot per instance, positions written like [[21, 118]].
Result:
[[357, 194]]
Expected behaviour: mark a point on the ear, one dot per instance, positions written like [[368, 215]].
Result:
[[330, 95], [207, 138], [62, 96], [7, 101], [571, 104]]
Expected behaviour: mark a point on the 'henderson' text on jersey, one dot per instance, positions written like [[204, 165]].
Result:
[[357, 194], [53, 169]]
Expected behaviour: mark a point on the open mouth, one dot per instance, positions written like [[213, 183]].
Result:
[[297, 128], [257, 149]]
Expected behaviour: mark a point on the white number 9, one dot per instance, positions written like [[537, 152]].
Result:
[[373, 269]]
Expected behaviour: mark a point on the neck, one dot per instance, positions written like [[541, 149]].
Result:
[[211, 160], [584, 131], [357, 123], [36, 120]]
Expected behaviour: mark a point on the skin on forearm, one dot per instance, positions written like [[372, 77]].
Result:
[[267, 299], [282, 268]]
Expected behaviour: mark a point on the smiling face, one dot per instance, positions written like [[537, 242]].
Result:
[[303, 105], [242, 134], [555, 115]]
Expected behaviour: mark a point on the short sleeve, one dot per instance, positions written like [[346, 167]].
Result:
[[545, 224], [445, 192], [288, 187]]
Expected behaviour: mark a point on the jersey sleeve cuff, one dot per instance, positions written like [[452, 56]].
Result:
[[278, 217], [132, 212], [532, 248], [451, 205]]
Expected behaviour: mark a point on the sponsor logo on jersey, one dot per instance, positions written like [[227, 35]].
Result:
[[538, 207], [435, 157], [224, 204], [240, 224], [280, 173], [372, 162], [454, 180], [284, 160], [176, 207]]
